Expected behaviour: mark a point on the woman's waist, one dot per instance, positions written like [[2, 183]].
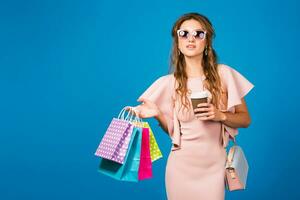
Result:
[[199, 139], [198, 124], [200, 149], [199, 129]]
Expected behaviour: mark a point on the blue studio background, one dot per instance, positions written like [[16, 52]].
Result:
[[67, 67]]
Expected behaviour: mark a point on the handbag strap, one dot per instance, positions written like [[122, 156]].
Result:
[[230, 155], [232, 149], [223, 133]]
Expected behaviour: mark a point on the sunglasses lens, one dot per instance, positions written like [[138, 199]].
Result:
[[200, 34], [183, 33]]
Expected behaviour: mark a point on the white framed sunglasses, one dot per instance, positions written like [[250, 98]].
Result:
[[197, 34]]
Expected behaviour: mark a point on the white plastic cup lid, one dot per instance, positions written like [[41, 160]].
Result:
[[202, 94]]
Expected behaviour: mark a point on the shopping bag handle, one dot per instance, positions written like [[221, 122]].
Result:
[[137, 119], [130, 116], [134, 116], [122, 112]]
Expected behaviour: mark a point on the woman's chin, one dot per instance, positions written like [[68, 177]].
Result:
[[192, 54]]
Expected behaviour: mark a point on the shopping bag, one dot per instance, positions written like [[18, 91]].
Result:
[[155, 152], [128, 171], [114, 144], [145, 169]]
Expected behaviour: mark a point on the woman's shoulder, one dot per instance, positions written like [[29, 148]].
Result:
[[227, 71], [224, 68], [165, 79], [159, 89], [167, 76]]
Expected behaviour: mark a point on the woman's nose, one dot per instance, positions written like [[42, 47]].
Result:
[[191, 38]]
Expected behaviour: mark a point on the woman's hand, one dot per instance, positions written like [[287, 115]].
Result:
[[210, 112], [147, 109]]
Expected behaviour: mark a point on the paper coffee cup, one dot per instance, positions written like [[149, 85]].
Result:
[[199, 97]]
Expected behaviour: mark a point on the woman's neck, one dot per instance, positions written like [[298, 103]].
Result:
[[194, 66]]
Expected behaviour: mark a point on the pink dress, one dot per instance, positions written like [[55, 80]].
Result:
[[195, 167]]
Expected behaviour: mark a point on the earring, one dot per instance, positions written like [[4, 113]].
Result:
[[205, 51]]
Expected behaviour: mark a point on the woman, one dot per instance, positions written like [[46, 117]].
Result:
[[195, 167]]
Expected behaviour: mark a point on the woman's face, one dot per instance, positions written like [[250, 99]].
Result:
[[188, 44]]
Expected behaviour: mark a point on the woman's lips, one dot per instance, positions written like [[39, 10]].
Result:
[[191, 46]]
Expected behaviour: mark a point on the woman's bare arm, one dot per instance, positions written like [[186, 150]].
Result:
[[241, 117]]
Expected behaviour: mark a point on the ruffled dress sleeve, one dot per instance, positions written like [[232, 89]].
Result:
[[161, 92], [236, 87]]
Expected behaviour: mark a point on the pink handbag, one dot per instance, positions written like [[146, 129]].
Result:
[[236, 169], [145, 168]]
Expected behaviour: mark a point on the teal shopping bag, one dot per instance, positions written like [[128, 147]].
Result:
[[128, 171]]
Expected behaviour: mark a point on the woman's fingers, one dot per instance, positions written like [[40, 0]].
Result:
[[140, 99], [203, 105], [136, 110], [132, 110], [146, 109], [204, 114], [208, 111], [128, 108], [145, 101], [206, 118], [201, 109]]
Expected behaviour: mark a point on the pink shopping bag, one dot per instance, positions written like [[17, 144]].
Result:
[[145, 168]]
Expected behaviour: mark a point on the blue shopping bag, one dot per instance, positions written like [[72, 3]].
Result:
[[128, 171]]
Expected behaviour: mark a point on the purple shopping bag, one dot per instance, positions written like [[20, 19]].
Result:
[[114, 144]]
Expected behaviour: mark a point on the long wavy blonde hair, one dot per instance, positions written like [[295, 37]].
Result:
[[209, 62]]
